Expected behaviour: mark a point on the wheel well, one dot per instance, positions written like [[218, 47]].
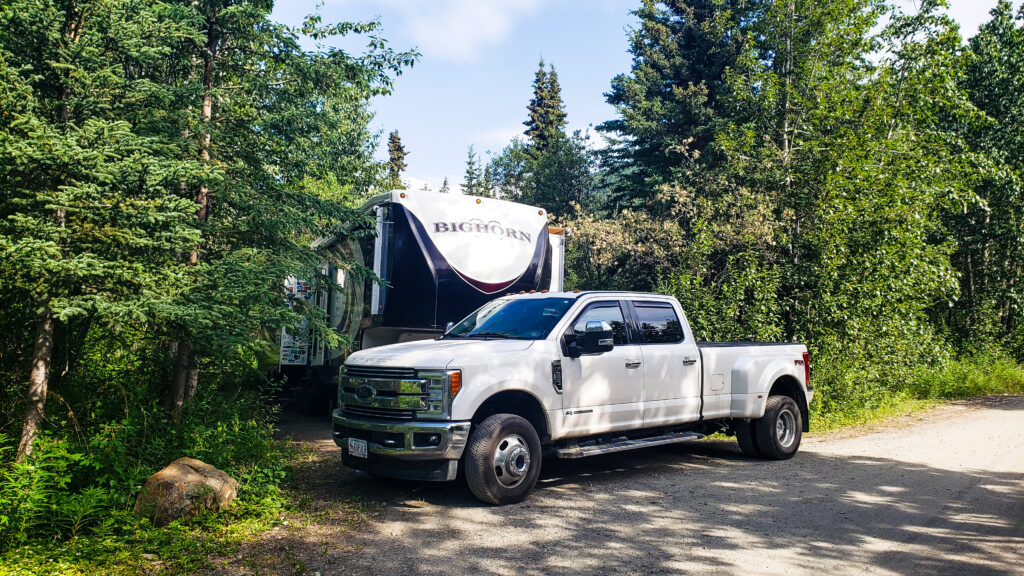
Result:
[[518, 403], [789, 386]]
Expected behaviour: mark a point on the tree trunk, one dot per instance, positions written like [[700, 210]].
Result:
[[180, 381], [42, 355], [186, 375], [38, 381]]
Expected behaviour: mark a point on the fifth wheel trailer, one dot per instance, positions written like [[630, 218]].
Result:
[[439, 257]]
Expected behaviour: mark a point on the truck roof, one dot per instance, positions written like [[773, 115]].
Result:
[[581, 293]]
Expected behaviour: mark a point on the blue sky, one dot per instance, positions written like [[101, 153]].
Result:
[[473, 80]]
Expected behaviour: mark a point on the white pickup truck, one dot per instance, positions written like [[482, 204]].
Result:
[[570, 374]]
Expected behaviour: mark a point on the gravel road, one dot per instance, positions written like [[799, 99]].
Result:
[[940, 492]]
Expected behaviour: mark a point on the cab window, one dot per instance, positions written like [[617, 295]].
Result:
[[607, 311], [658, 323]]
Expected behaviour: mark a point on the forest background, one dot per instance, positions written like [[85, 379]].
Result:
[[839, 173]]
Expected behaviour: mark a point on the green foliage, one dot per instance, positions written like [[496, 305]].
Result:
[[670, 102], [742, 305], [87, 224], [550, 169], [557, 178], [631, 252], [990, 230], [76, 478], [981, 375], [164, 166], [815, 173]]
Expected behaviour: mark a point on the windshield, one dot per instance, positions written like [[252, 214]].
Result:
[[522, 319]]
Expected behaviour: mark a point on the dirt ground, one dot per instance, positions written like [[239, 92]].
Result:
[[939, 492]]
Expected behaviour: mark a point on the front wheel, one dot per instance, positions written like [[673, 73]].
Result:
[[503, 459], [778, 432]]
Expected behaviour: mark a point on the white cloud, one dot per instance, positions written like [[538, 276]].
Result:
[[455, 30], [414, 183], [458, 29], [433, 182], [495, 139]]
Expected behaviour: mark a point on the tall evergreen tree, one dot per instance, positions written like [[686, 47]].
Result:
[[476, 182], [396, 160], [550, 169], [89, 221], [445, 188], [670, 101], [546, 122]]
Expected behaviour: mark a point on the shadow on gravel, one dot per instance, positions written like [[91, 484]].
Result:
[[998, 402], [683, 509], [694, 508]]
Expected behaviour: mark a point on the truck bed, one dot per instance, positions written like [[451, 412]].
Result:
[[742, 343]]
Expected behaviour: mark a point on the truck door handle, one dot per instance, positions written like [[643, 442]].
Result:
[[689, 361], [633, 363]]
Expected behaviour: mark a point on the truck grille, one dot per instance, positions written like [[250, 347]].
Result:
[[391, 393], [382, 413], [379, 373]]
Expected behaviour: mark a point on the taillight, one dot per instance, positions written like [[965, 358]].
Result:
[[807, 369]]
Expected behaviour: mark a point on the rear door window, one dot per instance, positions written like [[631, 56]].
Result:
[[658, 323]]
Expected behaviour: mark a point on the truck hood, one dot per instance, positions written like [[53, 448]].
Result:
[[434, 354]]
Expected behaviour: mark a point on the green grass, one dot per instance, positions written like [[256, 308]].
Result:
[[969, 377], [979, 376], [127, 545], [898, 405]]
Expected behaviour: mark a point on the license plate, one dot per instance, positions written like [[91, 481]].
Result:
[[357, 447]]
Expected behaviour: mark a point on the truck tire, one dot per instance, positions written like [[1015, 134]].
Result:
[[778, 432], [746, 437], [503, 459]]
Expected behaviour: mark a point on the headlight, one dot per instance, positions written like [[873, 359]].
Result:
[[439, 388]]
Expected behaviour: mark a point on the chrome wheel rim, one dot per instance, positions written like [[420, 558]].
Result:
[[511, 460], [785, 428]]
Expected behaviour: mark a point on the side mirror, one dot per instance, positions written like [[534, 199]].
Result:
[[598, 338], [448, 327]]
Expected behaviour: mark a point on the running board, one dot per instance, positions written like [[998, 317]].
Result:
[[622, 445]]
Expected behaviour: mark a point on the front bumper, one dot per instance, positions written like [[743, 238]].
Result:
[[413, 450]]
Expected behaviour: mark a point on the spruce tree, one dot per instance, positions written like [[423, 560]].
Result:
[[445, 188], [476, 179], [90, 223], [396, 160], [677, 89], [546, 111]]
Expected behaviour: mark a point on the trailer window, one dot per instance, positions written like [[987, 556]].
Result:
[[658, 323]]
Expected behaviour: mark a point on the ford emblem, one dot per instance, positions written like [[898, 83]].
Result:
[[366, 392]]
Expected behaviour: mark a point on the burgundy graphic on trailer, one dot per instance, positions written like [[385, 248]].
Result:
[[490, 254]]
